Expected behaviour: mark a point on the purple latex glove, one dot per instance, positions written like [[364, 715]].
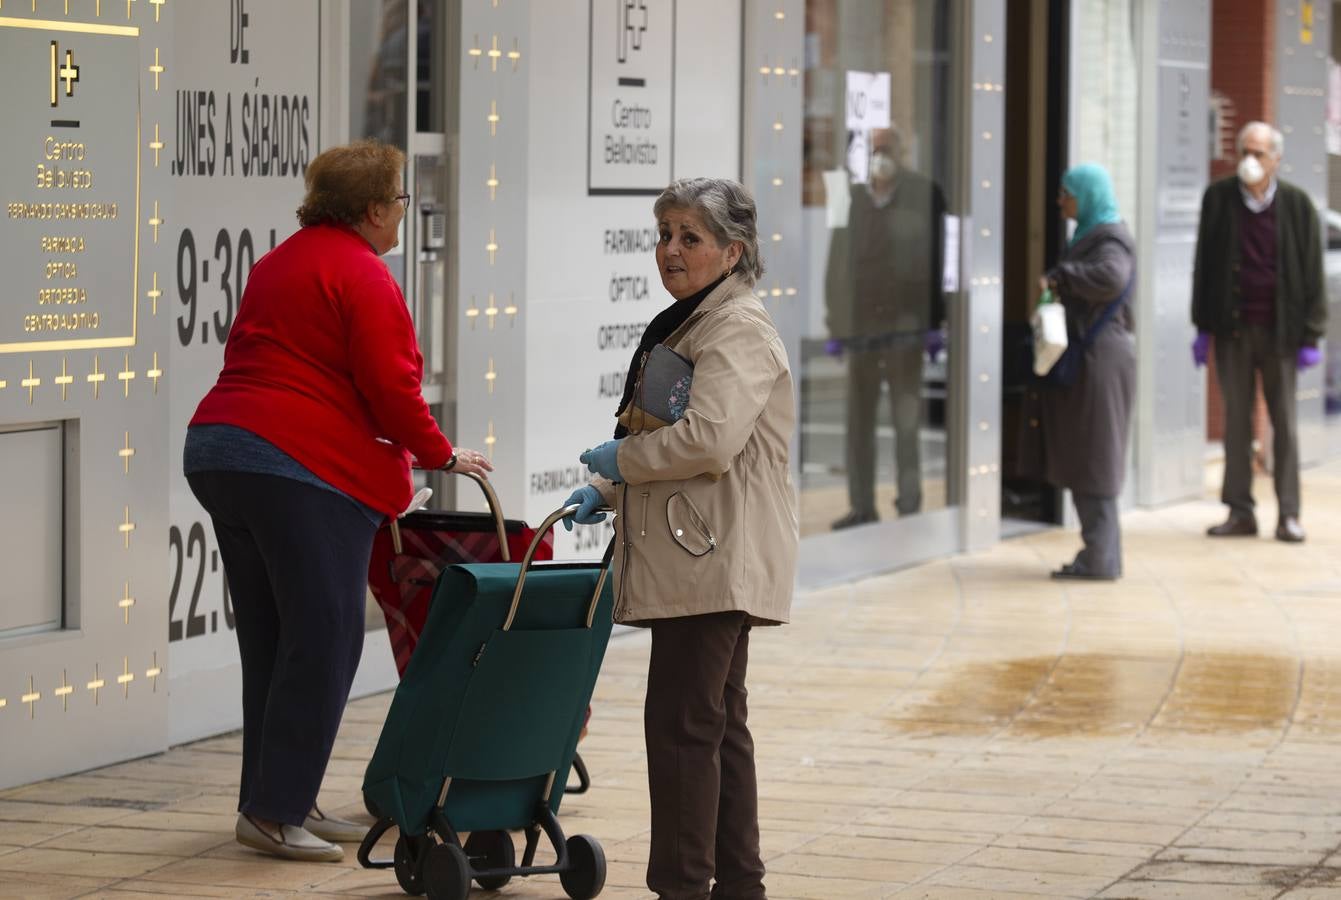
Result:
[[834, 347], [1200, 348], [1309, 357], [934, 343]]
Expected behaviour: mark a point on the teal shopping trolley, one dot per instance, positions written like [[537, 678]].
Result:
[[483, 728]]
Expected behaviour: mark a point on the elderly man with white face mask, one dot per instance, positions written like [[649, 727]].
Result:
[[1258, 291]]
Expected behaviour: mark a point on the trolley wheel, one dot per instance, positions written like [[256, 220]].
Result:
[[586, 868], [491, 850], [446, 872], [409, 864]]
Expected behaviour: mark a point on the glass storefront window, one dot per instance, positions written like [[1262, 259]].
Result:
[[882, 191], [378, 57], [378, 85]]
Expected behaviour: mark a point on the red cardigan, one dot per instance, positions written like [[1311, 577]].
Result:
[[322, 361]]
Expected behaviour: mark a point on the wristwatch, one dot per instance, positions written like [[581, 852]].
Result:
[[451, 462]]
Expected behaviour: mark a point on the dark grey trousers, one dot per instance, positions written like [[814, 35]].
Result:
[[1101, 530], [900, 367], [1238, 360]]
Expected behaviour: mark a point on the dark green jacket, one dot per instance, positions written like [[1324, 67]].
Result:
[[1301, 295]]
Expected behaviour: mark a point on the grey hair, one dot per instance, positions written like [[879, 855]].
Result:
[[1277, 139], [727, 209]]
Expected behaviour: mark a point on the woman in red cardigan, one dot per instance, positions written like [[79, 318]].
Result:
[[298, 453]]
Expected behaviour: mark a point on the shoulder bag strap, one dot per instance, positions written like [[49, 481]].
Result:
[[1108, 313]]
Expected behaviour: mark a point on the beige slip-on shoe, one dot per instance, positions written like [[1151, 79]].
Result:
[[292, 842], [329, 828]]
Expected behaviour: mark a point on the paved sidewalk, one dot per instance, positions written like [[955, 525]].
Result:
[[963, 729]]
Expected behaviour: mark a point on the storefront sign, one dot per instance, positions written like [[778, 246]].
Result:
[[867, 100], [70, 185], [631, 96], [245, 128]]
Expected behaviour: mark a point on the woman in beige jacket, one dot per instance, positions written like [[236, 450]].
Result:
[[706, 535]]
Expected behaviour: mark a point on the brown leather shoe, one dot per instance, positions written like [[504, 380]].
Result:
[[1290, 531], [1234, 526]]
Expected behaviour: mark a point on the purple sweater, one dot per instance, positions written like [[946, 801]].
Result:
[[1257, 261]]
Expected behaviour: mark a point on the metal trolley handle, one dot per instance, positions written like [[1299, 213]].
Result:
[[494, 508], [529, 559]]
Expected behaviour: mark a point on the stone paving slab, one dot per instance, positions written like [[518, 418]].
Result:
[[963, 730]]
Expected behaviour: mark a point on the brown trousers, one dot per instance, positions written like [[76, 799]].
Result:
[[700, 762]]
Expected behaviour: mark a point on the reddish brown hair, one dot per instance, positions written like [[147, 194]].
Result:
[[343, 181]]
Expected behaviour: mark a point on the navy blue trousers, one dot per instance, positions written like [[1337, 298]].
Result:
[[296, 559]]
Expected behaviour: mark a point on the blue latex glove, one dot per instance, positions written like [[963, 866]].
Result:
[[834, 347], [589, 498], [1200, 348], [934, 344], [1309, 357], [603, 460]]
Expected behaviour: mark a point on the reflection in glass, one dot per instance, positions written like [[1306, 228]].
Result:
[[378, 57], [881, 158]]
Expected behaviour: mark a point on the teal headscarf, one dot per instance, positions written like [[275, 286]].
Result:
[[1095, 202]]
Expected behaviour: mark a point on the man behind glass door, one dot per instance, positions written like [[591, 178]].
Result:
[[885, 307]]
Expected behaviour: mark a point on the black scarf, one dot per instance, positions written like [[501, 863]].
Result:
[[660, 328]]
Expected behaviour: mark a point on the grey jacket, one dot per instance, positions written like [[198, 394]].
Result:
[[1086, 426]]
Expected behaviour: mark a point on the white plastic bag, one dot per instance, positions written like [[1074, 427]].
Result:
[[1049, 322]]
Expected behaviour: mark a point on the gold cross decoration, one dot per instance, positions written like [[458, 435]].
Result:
[[30, 382], [491, 376], [155, 373], [64, 380], [95, 378], [126, 376], [492, 246], [126, 602], [96, 684], [493, 119], [511, 309], [153, 672], [475, 52], [158, 5], [156, 144], [514, 54], [492, 183], [472, 312], [157, 68], [126, 453], [126, 527], [3, 702], [69, 73], [64, 691], [494, 54], [155, 221], [31, 699], [154, 293], [126, 676], [490, 440], [491, 311]]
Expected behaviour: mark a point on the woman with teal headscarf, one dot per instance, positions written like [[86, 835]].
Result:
[[1087, 424]]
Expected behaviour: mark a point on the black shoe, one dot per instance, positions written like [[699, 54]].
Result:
[[853, 519], [1237, 525], [1070, 571], [1290, 531]]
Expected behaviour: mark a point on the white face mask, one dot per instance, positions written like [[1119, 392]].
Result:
[[1251, 171], [882, 166]]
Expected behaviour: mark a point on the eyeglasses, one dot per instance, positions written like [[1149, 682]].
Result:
[[404, 200]]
